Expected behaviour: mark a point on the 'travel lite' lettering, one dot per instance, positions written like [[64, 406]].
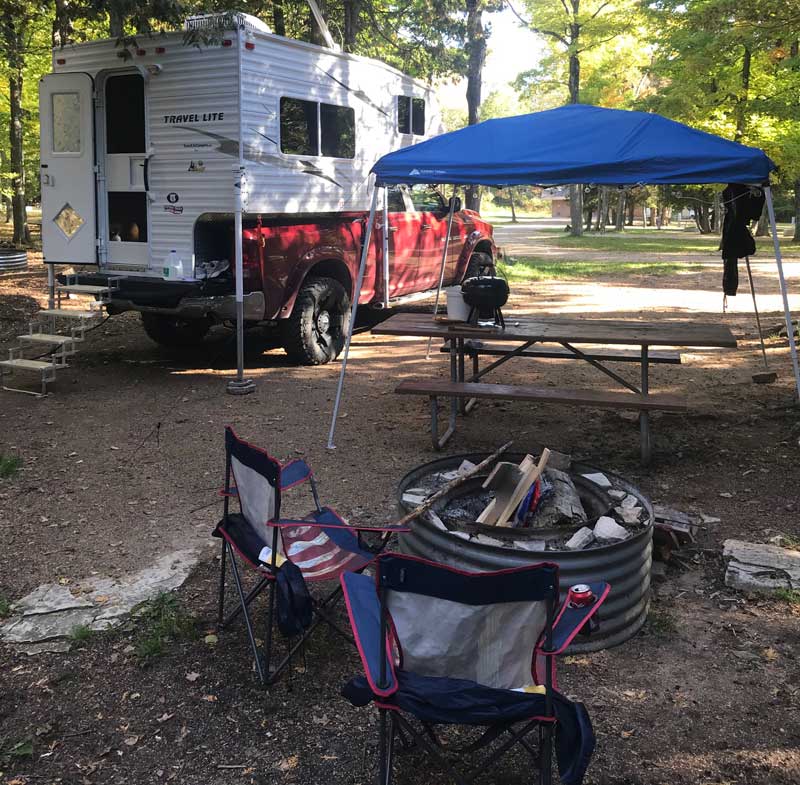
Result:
[[205, 117]]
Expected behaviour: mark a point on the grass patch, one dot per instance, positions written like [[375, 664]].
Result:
[[792, 596], [162, 621], [9, 465], [644, 242], [661, 622], [21, 749], [81, 634], [5, 606], [532, 268]]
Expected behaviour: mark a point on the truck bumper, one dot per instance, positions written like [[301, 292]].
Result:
[[221, 308]]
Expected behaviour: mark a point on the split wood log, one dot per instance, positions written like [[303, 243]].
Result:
[[530, 477], [460, 480]]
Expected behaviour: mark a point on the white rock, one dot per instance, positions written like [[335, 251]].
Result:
[[598, 479], [484, 540], [759, 567], [435, 520], [709, 519], [462, 535], [465, 466], [530, 545], [414, 499], [630, 501], [580, 539], [608, 529], [617, 494], [629, 514], [448, 476]]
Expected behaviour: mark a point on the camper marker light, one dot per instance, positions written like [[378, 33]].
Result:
[[141, 52], [227, 42], [61, 61], [249, 45], [160, 50]]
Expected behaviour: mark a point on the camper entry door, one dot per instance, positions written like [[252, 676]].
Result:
[[125, 168], [69, 215]]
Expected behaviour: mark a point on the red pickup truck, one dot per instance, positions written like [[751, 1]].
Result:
[[299, 273]]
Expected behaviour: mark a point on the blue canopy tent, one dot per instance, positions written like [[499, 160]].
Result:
[[574, 144]]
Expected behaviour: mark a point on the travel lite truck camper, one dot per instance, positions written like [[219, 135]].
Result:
[[142, 152]]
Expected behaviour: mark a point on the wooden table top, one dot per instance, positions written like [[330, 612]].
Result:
[[570, 330]]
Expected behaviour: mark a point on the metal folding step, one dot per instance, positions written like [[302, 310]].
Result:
[[82, 288], [48, 338], [65, 313], [46, 371]]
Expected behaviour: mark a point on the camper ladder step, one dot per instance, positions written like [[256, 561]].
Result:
[[82, 288], [46, 371], [64, 313], [54, 340]]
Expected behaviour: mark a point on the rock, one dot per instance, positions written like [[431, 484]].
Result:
[[598, 479], [583, 537], [485, 540], [530, 545], [629, 501], [465, 466], [434, 519], [706, 519], [629, 515], [759, 567], [415, 497], [608, 529], [617, 494]]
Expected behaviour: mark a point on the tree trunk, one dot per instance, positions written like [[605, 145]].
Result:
[[116, 21], [619, 222], [352, 25], [8, 208], [762, 229], [14, 41], [62, 24], [741, 102], [278, 17], [796, 237], [631, 212], [513, 208], [476, 56], [717, 214]]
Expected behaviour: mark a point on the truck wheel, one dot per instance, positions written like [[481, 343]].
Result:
[[477, 262], [315, 332], [173, 331]]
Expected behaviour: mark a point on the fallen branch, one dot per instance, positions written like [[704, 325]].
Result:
[[460, 480]]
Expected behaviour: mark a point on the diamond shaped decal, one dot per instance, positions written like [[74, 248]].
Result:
[[68, 220]]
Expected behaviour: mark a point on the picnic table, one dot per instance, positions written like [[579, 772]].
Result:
[[573, 339]]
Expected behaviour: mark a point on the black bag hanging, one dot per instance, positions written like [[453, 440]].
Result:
[[742, 205], [294, 601]]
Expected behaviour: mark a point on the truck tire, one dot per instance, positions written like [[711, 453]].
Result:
[[477, 262], [173, 331], [315, 332]]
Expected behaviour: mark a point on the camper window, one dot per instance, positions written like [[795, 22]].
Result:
[[125, 114], [410, 115], [309, 128], [66, 123], [338, 125]]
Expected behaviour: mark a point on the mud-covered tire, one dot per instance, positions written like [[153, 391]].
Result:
[[477, 262], [172, 331], [315, 333]]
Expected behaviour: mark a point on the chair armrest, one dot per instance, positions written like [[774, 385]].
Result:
[[364, 611], [294, 473], [571, 619]]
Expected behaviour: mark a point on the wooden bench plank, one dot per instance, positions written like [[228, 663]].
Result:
[[517, 392], [559, 353]]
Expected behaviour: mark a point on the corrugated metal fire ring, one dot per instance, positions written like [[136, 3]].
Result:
[[11, 260], [625, 565]]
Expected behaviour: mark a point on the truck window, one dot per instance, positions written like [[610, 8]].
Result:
[[426, 199], [299, 135], [338, 124], [396, 202], [411, 115]]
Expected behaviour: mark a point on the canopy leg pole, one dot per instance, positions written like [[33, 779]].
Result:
[[354, 307], [444, 262], [385, 245], [784, 293]]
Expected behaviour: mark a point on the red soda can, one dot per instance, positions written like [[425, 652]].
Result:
[[580, 595]]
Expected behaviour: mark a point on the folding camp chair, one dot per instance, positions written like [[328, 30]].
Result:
[[321, 545], [445, 647]]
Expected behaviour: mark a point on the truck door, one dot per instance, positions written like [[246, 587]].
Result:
[[124, 166], [432, 212], [404, 226], [69, 212]]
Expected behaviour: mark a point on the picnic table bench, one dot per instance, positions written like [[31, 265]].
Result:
[[567, 333]]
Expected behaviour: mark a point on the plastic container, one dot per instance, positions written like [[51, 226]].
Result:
[[173, 268], [457, 309]]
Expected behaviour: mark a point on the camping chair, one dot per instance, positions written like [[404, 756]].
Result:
[[321, 545], [441, 646]]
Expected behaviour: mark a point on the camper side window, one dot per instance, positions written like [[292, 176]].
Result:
[[299, 134], [66, 123], [309, 128], [411, 115]]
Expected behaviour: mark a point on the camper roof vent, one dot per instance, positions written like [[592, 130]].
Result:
[[225, 21]]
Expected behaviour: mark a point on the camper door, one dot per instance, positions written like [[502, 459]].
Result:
[[69, 221]]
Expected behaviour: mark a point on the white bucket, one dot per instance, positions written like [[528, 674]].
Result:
[[457, 309]]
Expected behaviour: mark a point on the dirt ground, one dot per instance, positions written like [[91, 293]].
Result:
[[122, 462]]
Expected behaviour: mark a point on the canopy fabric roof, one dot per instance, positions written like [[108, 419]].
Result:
[[576, 144]]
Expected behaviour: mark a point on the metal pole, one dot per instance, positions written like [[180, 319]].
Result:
[[239, 385], [386, 247], [444, 261], [51, 287], [755, 308], [786, 312], [354, 307]]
